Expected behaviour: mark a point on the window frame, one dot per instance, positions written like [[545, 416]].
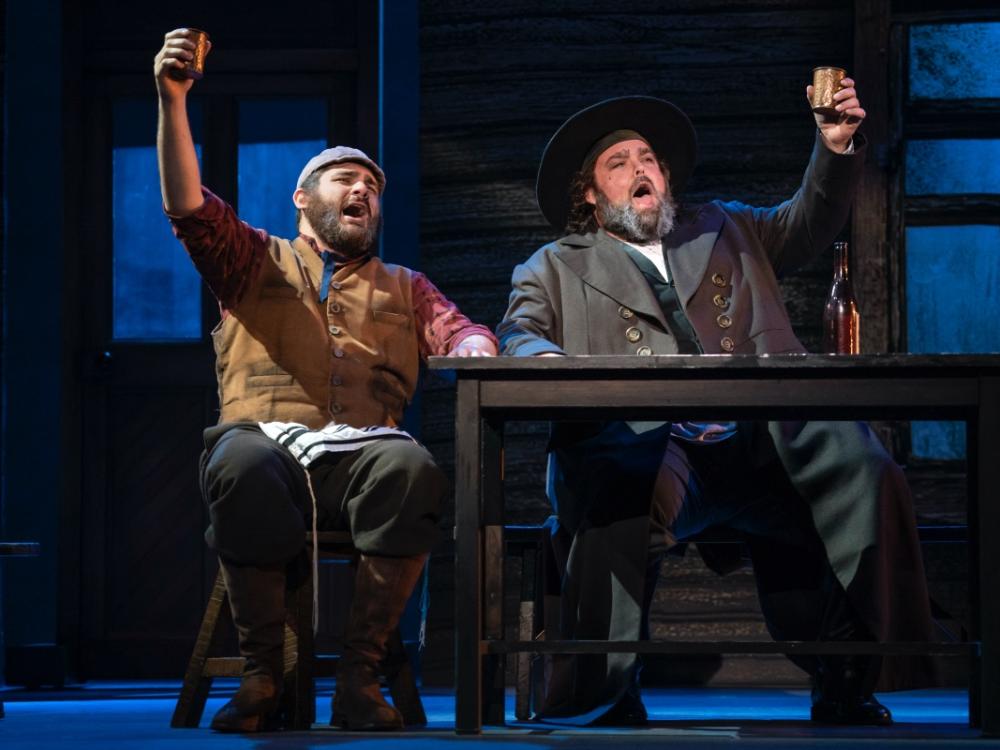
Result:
[[928, 119]]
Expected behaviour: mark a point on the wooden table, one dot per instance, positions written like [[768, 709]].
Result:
[[491, 392]]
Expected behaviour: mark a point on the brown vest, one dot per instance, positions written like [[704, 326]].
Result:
[[283, 356]]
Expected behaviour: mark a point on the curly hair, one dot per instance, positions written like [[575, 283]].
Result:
[[581, 218]]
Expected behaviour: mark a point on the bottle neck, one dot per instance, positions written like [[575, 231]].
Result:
[[840, 265]]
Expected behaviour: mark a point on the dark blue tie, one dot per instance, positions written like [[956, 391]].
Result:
[[329, 266]]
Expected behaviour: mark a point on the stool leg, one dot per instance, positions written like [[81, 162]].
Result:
[[194, 691], [402, 684]]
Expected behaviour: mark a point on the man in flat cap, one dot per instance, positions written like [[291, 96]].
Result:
[[825, 511], [318, 352]]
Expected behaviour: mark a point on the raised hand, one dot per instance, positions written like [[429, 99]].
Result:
[[838, 130], [171, 61]]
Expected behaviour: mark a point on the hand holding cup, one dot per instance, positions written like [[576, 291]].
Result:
[[835, 105], [180, 61]]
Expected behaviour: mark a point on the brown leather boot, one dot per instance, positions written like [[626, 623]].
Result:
[[382, 587], [257, 601]]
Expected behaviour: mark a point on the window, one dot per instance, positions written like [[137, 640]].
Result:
[[950, 188], [157, 292], [277, 137]]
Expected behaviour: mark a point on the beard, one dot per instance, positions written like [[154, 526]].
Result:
[[638, 226], [345, 239]]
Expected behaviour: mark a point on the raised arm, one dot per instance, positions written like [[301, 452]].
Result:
[[180, 180], [793, 232]]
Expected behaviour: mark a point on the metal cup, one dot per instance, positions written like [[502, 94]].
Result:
[[196, 68], [826, 83]]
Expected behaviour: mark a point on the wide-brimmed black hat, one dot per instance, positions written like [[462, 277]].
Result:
[[665, 127]]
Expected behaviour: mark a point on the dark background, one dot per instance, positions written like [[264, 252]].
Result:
[[457, 98]]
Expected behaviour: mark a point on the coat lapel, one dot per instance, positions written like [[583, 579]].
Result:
[[602, 262], [689, 248]]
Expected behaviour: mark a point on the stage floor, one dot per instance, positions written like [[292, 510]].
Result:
[[137, 715]]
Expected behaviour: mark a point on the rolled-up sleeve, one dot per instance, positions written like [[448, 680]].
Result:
[[440, 324], [227, 252]]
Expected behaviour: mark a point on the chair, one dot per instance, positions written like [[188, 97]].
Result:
[[299, 696]]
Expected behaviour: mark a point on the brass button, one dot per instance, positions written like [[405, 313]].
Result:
[[718, 279], [727, 344], [643, 351], [720, 300], [334, 330], [335, 307], [337, 380], [724, 321], [625, 313], [336, 408], [338, 353], [336, 285], [633, 334]]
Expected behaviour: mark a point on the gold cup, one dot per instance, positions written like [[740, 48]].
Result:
[[196, 68], [826, 83]]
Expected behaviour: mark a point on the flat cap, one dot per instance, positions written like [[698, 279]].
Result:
[[336, 155]]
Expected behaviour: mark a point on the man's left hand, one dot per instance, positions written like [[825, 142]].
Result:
[[474, 346], [838, 131]]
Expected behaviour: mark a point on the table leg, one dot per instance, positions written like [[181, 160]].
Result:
[[492, 519], [988, 521], [468, 562]]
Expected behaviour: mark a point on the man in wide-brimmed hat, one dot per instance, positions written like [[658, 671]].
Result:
[[826, 511]]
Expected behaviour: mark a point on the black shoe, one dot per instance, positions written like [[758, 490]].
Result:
[[856, 711], [627, 712]]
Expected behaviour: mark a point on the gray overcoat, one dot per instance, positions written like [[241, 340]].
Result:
[[583, 295]]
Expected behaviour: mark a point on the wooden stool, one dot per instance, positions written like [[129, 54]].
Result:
[[299, 697]]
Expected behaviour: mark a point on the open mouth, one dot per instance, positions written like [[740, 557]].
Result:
[[356, 210], [642, 191]]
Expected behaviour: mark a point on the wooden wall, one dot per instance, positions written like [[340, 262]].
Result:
[[497, 79]]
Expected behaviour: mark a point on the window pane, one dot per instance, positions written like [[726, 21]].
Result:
[[939, 440], [952, 294], [277, 138], [950, 167], [157, 292], [955, 61]]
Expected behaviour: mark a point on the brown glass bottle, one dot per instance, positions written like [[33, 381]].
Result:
[[841, 320]]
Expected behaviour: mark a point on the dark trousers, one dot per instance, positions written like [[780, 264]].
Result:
[[740, 484], [388, 494], [825, 510]]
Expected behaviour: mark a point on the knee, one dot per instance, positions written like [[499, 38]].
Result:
[[239, 461], [251, 491], [414, 467]]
